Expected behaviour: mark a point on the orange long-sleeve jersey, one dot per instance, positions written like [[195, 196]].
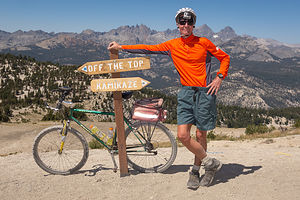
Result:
[[191, 57]]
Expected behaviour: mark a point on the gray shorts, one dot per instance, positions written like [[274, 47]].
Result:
[[196, 107]]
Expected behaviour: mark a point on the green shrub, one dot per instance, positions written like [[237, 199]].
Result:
[[51, 116], [94, 144], [251, 129], [211, 135], [23, 120], [272, 128], [297, 123], [5, 113]]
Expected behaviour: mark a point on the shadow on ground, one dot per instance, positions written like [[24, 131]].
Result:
[[94, 170], [233, 170], [227, 172], [173, 169]]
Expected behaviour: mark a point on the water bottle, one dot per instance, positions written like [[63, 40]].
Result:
[[110, 136], [99, 133]]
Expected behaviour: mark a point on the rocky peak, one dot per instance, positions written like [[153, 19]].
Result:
[[204, 30], [87, 32], [227, 33], [171, 32], [140, 30], [4, 35]]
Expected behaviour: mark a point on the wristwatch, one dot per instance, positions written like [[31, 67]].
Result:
[[220, 75]]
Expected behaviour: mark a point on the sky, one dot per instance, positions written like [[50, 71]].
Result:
[[275, 19]]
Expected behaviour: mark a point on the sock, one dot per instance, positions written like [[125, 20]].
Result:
[[195, 168], [205, 159]]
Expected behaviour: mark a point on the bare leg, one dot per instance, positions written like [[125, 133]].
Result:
[[201, 138], [211, 165], [183, 133]]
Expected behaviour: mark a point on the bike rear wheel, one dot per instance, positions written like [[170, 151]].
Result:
[[46, 150], [151, 147]]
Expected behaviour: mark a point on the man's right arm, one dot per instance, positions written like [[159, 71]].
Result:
[[141, 48]]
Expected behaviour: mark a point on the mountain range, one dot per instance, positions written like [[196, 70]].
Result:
[[263, 73], [245, 47]]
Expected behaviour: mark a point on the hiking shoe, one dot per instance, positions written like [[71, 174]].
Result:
[[194, 180], [211, 167]]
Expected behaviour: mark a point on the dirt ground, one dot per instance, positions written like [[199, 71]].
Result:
[[252, 169]]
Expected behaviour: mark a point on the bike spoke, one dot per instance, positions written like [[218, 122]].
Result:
[[158, 151], [47, 156]]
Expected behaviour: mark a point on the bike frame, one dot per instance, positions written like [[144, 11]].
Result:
[[71, 117]]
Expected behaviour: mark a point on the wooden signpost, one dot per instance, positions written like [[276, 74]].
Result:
[[116, 85], [115, 65]]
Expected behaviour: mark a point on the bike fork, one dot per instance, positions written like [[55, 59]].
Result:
[[63, 136]]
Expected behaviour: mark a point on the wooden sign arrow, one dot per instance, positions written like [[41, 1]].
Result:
[[118, 65], [118, 84]]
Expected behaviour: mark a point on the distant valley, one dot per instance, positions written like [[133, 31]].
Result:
[[264, 73]]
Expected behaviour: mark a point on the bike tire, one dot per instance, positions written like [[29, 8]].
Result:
[[45, 151], [158, 151]]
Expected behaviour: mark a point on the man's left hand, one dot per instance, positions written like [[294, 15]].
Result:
[[214, 86]]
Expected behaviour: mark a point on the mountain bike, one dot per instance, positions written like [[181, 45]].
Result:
[[61, 149]]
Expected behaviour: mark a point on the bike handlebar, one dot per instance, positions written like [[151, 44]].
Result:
[[65, 92], [50, 107]]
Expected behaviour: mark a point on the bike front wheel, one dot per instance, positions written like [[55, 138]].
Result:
[[151, 147], [48, 155]]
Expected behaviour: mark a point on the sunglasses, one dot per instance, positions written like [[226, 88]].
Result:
[[189, 22]]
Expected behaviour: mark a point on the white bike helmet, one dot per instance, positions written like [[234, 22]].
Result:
[[185, 13]]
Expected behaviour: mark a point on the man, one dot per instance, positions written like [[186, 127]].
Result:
[[191, 56]]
